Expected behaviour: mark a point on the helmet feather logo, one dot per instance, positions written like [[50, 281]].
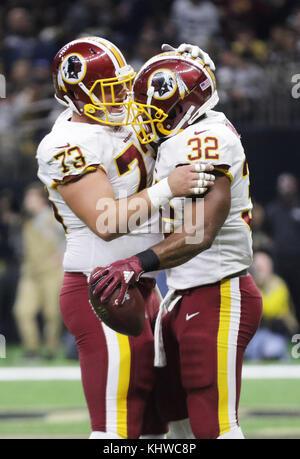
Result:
[[163, 81], [73, 68]]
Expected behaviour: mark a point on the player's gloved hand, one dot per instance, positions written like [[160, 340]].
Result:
[[121, 274], [194, 51]]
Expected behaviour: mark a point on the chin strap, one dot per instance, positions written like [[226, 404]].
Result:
[[117, 117], [189, 117], [175, 131], [209, 105], [67, 103]]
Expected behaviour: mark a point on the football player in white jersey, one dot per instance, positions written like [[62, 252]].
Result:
[[213, 307], [93, 164]]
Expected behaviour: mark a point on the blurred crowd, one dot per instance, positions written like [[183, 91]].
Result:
[[276, 269], [256, 48], [255, 44]]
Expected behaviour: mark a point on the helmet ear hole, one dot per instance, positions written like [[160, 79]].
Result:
[[172, 114], [175, 112], [72, 94]]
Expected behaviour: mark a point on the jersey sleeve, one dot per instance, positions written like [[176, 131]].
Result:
[[69, 162], [222, 158]]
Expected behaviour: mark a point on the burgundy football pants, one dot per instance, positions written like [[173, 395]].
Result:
[[117, 371], [205, 336]]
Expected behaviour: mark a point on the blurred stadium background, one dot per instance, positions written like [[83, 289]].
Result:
[[256, 47]]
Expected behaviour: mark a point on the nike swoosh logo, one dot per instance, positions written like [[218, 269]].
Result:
[[64, 146], [200, 132], [190, 316]]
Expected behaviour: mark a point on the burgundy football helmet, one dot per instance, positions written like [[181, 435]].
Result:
[[91, 77], [171, 91]]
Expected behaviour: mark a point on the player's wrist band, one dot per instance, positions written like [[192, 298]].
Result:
[[149, 260], [160, 193]]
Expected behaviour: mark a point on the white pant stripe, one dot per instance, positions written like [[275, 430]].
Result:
[[235, 315], [112, 378]]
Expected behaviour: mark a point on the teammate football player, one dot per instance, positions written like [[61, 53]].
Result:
[[95, 168], [213, 307]]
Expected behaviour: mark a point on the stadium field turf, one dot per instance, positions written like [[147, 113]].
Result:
[[56, 409], [269, 408]]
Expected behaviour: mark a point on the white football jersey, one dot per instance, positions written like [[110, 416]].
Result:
[[72, 149], [212, 140]]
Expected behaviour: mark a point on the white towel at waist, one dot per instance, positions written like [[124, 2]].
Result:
[[166, 305]]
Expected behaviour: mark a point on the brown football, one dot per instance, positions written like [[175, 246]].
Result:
[[128, 318]]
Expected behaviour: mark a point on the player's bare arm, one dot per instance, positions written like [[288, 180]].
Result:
[[175, 250], [171, 252], [93, 194]]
